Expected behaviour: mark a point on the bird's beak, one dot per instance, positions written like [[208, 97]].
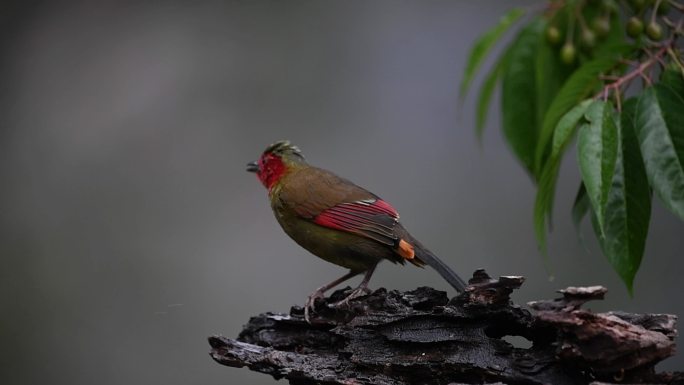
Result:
[[252, 167]]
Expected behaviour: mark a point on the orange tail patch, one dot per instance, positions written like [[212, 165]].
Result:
[[406, 250]]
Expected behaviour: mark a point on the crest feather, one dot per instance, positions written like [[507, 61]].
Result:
[[284, 147]]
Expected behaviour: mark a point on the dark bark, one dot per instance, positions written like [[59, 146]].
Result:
[[422, 337]]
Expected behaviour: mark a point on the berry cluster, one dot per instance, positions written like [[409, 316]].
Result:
[[642, 9], [591, 22]]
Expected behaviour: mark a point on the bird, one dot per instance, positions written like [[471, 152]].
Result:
[[338, 221]]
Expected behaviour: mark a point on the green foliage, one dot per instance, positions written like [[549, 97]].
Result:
[[659, 122], [583, 82], [597, 153], [565, 73], [518, 78], [484, 44], [562, 136], [616, 185], [551, 74], [627, 209], [580, 207], [485, 96]]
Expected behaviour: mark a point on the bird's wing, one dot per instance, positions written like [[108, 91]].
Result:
[[372, 218], [330, 201]]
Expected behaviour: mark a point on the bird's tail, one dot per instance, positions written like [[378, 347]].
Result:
[[442, 268]]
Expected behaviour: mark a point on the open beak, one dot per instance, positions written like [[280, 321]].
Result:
[[252, 167]]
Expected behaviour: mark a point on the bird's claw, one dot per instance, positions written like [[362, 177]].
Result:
[[358, 292], [310, 304]]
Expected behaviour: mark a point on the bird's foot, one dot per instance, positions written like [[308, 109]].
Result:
[[310, 304], [358, 292]]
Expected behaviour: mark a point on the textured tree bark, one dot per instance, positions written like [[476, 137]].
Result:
[[422, 337]]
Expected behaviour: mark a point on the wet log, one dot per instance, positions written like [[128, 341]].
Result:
[[423, 337]]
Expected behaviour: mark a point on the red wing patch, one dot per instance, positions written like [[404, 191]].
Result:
[[372, 218]]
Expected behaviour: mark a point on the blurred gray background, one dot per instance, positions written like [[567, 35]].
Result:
[[129, 230]]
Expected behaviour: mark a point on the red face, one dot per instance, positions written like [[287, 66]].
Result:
[[271, 168]]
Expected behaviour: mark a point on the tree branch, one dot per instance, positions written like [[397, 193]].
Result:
[[422, 337]]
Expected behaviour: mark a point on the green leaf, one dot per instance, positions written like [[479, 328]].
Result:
[[565, 128], [484, 44], [597, 153], [543, 204], [581, 84], [580, 207], [485, 96], [659, 123], [550, 74], [674, 80], [628, 203], [517, 93]]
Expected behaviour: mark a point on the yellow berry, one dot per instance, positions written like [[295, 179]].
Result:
[[601, 25], [634, 27], [654, 31], [568, 53], [588, 38], [553, 35]]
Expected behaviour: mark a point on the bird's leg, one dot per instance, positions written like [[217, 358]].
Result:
[[311, 299], [360, 290]]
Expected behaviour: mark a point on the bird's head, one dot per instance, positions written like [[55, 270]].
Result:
[[277, 160]]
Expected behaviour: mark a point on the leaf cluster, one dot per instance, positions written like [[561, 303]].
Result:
[[630, 136]]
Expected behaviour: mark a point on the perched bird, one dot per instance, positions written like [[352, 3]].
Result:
[[338, 221]]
